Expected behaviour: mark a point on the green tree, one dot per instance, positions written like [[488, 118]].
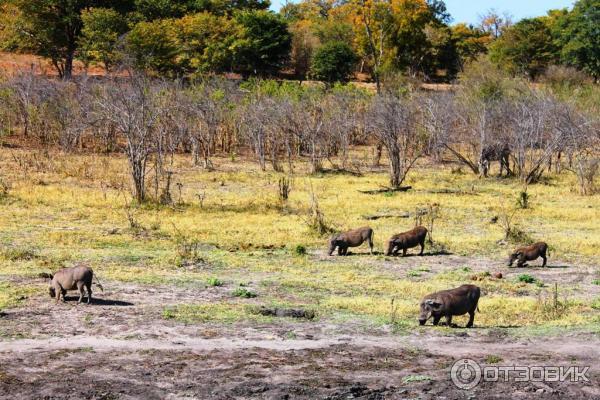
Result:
[[153, 45], [206, 42], [264, 44], [525, 48], [333, 62], [51, 28], [102, 28], [578, 34], [150, 10], [469, 43]]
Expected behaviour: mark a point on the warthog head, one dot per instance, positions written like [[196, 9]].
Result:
[[512, 258], [428, 306], [389, 247], [333, 243]]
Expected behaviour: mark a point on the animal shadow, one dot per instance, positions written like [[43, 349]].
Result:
[[375, 253], [100, 302], [426, 254]]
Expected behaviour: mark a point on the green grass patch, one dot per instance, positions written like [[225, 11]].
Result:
[[244, 293], [212, 312], [416, 378], [212, 281], [11, 295], [492, 359], [526, 278]]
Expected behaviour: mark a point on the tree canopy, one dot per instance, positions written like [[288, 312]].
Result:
[[410, 37]]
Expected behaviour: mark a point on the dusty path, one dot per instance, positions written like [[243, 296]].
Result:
[[334, 368], [122, 348]]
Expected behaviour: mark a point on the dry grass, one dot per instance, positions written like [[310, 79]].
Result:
[[71, 208]]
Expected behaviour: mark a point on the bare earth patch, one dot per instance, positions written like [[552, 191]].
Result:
[[121, 347]]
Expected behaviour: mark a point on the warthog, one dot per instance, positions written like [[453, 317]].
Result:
[[79, 277], [529, 253], [352, 238], [407, 240], [495, 152], [448, 303]]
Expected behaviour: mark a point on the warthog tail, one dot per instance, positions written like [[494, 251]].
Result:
[[98, 283]]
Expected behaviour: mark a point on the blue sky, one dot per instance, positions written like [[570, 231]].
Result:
[[469, 10]]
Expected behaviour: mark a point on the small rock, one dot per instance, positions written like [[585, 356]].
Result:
[[540, 390], [498, 275]]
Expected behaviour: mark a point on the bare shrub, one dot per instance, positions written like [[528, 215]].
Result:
[[130, 106], [316, 219], [285, 187], [392, 121]]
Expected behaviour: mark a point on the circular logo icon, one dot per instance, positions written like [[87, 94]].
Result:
[[465, 374]]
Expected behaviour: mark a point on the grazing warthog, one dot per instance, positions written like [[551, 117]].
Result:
[[352, 238], [495, 152], [79, 277], [407, 240], [529, 253], [448, 303]]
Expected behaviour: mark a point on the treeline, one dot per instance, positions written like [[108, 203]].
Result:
[[280, 124], [317, 39]]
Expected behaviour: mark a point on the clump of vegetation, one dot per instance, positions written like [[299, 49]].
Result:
[[596, 282], [526, 278], [213, 281], [244, 293], [316, 219], [300, 250], [523, 199], [285, 187], [4, 189], [416, 378], [492, 359], [18, 253]]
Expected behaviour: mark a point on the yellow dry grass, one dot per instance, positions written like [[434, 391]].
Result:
[[70, 208]]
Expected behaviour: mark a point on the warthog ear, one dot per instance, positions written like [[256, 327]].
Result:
[[433, 303]]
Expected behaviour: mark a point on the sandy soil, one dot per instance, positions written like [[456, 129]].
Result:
[[120, 347]]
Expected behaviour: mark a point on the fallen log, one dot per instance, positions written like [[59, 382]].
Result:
[[386, 190], [379, 216]]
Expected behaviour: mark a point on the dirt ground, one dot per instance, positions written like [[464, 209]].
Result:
[[120, 347]]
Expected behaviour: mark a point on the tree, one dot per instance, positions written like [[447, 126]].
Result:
[[415, 24], [102, 28], [577, 33], [303, 45], [51, 28], [206, 42], [153, 45], [333, 62], [392, 121], [494, 24], [525, 48], [469, 42], [9, 27], [264, 43], [372, 21], [132, 108]]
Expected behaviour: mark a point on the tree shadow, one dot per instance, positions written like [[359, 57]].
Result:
[[100, 302]]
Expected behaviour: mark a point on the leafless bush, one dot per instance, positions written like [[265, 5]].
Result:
[[285, 187], [392, 121], [316, 219], [131, 107]]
